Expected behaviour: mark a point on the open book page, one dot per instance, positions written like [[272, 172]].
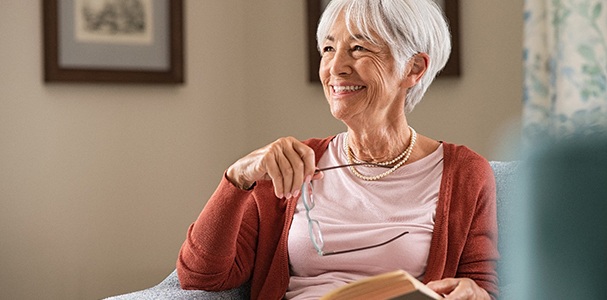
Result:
[[392, 285]]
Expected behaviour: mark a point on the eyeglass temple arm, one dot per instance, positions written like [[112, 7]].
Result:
[[351, 165], [363, 248]]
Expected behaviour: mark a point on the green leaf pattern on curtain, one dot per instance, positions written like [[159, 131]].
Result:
[[565, 68]]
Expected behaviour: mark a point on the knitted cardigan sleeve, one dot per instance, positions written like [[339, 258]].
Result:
[[219, 248], [241, 236], [478, 259], [464, 243]]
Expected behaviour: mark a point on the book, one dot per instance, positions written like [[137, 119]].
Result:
[[394, 285]]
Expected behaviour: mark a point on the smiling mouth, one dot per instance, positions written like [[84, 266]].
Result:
[[347, 88]]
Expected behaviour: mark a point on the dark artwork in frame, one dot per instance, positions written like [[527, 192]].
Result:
[[450, 7], [113, 41]]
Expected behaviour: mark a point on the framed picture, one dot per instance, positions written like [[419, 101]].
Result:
[[450, 7], [119, 41]]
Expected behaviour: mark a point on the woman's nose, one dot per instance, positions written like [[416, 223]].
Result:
[[341, 63]]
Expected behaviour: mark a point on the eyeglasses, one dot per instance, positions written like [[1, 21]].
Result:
[[314, 226]]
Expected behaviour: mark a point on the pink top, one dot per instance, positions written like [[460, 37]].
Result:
[[355, 213]]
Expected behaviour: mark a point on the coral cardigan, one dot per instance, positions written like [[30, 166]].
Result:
[[242, 235]]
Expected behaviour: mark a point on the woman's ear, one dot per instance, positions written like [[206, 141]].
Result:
[[416, 68]]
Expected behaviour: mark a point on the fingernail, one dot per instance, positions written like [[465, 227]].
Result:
[[288, 195], [296, 194], [308, 179]]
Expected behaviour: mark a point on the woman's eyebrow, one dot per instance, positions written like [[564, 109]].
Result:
[[330, 38], [356, 37]]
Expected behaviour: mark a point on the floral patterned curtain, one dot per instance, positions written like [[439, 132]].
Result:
[[565, 66]]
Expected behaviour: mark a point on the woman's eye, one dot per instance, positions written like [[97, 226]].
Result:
[[327, 49], [358, 48]]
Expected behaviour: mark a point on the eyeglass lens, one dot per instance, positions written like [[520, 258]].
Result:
[[313, 225]]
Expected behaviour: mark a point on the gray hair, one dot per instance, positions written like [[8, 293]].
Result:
[[408, 27]]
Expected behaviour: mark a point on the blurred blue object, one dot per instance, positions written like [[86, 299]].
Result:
[[557, 243]]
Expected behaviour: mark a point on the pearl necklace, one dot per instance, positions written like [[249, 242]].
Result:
[[404, 156]]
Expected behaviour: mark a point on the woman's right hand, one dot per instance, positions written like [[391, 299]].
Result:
[[287, 162]]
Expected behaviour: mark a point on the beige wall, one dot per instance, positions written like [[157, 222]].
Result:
[[98, 183]]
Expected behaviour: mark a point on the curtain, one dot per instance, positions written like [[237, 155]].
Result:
[[565, 68]]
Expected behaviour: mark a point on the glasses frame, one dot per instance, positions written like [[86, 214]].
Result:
[[313, 224]]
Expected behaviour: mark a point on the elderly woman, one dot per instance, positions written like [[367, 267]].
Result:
[[296, 230]]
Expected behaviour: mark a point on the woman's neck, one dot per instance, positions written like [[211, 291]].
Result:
[[379, 144]]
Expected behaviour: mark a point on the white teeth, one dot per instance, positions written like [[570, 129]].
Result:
[[348, 88]]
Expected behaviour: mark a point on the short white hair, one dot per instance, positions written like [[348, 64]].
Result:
[[408, 27]]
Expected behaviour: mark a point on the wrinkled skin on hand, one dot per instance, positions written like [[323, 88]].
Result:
[[459, 288], [287, 162]]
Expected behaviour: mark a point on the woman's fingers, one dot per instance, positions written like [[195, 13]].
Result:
[[287, 162], [301, 158], [308, 159], [274, 173], [296, 162], [459, 288]]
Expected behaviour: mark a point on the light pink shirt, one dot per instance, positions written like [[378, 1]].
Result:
[[355, 213]]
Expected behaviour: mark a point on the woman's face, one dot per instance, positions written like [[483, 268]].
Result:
[[359, 78]]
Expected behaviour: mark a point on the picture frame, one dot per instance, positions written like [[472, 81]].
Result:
[[450, 7], [135, 41]]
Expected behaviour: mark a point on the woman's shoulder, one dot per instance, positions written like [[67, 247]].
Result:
[[319, 145], [461, 152], [452, 153], [462, 158]]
